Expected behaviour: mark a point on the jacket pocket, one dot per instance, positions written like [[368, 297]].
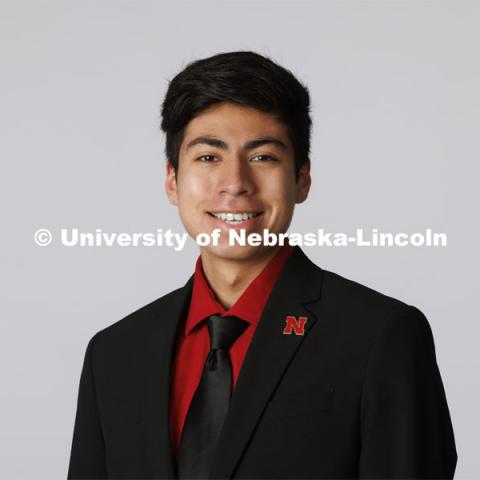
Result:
[[300, 402]]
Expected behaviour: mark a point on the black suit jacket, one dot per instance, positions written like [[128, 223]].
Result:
[[358, 395]]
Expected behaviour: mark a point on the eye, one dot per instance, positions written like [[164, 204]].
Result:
[[263, 158], [206, 158]]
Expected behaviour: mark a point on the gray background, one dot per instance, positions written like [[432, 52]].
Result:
[[395, 90]]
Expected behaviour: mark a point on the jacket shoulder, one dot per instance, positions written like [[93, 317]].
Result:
[[360, 303], [366, 313], [339, 285], [137, 322]]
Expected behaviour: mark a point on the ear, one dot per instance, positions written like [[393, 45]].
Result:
[[171, 185], [304, 183]]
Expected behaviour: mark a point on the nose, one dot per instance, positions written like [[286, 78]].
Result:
[[236, 177]]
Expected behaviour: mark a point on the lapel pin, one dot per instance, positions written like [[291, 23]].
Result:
[[294, 325]]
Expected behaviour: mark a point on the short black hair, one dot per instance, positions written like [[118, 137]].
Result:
[[242, 77]]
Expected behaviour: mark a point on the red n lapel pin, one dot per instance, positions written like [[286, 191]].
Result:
[[294, 325]]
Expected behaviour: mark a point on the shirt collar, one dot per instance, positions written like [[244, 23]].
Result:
[[250, 304]]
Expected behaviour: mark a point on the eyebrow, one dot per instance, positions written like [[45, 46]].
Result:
[[250, 145]]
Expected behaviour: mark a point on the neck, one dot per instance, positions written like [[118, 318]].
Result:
[[229, 278]]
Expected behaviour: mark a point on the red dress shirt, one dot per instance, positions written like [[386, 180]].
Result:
[[194, 343]]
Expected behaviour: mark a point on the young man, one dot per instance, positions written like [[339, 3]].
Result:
[[263, 365]]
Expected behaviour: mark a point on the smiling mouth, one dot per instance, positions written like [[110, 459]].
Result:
[[234, 218]]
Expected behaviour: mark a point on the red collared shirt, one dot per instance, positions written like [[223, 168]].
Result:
[[194, 344]]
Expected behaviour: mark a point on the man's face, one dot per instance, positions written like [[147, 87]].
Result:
[[236, 160]]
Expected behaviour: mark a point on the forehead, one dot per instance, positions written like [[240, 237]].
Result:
[[235, 123]]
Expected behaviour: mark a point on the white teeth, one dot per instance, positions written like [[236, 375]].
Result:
[[234, 217]]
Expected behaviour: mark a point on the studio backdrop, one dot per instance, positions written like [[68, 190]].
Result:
[[395, 108]]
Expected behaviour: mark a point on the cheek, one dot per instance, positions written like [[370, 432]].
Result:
[[191, 191], [280, 193]]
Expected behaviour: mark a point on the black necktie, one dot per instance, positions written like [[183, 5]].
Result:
[[209, 405]]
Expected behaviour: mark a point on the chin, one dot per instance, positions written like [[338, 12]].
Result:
[[236, 252]]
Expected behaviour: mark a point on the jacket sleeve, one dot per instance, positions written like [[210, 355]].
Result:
[[406, 431], [87, 458]]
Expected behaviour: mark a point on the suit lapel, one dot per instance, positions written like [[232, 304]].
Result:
[[167, 316], [267, 358]]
